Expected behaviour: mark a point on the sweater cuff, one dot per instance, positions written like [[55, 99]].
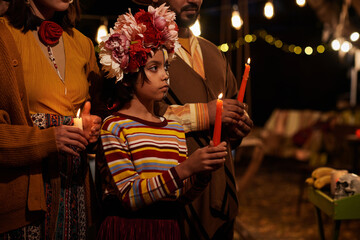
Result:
[[199, 117], [176, 177]]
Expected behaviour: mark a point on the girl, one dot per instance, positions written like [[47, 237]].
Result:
[[46, 67], [146, 175]]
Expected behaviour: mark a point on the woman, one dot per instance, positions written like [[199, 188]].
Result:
[[46, 68]]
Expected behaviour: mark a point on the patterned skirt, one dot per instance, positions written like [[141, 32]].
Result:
[[64, 187], [159, 221]]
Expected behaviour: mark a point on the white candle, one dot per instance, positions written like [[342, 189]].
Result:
[[78, 120]]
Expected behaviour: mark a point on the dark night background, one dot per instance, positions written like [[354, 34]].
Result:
[[279, 79]]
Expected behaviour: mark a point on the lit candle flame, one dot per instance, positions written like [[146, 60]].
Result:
[[78, 113], [220, 96], [248, 61]]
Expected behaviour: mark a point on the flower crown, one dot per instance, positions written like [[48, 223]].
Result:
[[134, 38]]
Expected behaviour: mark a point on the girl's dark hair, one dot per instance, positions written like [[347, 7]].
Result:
[[119, 94], [20, 16]]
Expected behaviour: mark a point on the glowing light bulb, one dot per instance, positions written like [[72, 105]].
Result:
[[297, 50], [291, 48], [269, 39], [195, 28], [320, 49], [101, 32], [308, 50], [354, 36], [224, 47], [335, 44], [346, 46], [269, 10], [301, 3], [236, 20], [278, 43], [248, 38]]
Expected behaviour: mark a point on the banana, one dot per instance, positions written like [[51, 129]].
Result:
[[310, 181], [321, 171], [322, 181]]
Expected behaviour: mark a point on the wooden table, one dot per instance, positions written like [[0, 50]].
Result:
[[341, 209]]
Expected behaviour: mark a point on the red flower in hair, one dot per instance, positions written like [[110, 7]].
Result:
[[138, 56], [50, 32], [152, 35]]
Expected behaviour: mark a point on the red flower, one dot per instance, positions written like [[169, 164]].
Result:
[[138, 56], [50, 32], [152, 35]]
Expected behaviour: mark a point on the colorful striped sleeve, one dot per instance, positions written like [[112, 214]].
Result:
[[136, 190], [192, 116]]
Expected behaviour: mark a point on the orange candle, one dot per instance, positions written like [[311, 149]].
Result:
[[217, 127], [244, 81]]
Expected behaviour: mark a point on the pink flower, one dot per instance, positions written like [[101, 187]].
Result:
[[160, 23], [162, 11], [118, 44], [127, 25]]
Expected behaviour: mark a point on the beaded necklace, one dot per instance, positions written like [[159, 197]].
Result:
[[52, 59]]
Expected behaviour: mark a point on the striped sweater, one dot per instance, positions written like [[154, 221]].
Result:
[[141, 157]]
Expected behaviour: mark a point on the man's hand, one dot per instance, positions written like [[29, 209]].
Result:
[[243, 127], [234, 117], [232, 111]]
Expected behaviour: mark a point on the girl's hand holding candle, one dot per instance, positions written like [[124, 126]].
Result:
[[244, 81], [217, 126]]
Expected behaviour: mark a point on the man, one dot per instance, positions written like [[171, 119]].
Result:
[[198, 75]]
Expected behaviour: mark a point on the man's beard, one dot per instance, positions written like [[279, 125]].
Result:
[[186, 23], [191, 18]]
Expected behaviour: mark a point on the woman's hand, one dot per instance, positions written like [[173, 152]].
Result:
[[69, 135], [204, 159], [91, 124]]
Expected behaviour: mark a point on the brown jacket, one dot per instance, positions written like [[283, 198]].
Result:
[[22, 146]]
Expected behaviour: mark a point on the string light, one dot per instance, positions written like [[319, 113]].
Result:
[[290, 48], [269, 10]]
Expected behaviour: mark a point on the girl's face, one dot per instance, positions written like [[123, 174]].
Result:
[[46, 8], [157, 84]]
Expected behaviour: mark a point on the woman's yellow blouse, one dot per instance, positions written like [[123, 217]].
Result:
[[45, 90]]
